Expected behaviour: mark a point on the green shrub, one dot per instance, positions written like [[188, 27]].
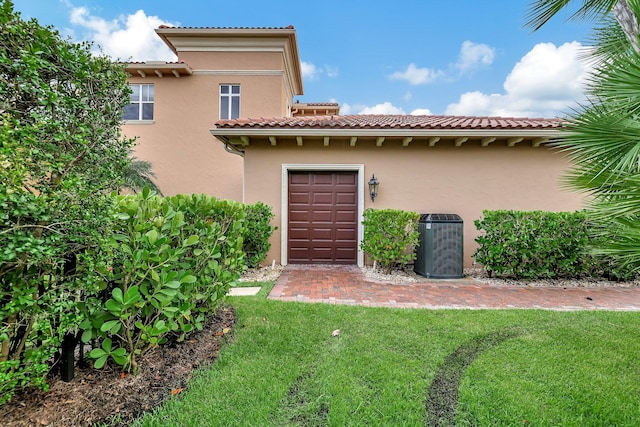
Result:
[[173, 261], [61, 154], [218, 260], [536, 244], [257, 231], [390, 236]]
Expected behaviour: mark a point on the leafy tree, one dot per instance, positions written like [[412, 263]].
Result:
[[602, 138], [61, 153]]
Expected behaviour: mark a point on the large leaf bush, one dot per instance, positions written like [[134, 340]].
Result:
[[390, 236], [174, 260]]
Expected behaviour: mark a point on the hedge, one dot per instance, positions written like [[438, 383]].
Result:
[[390, 236], [537, 244]]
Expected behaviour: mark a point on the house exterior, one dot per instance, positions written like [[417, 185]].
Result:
[[311, 164], [220, 73]]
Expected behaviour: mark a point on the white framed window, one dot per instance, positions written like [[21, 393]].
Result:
[[141, 103], [229, 101]]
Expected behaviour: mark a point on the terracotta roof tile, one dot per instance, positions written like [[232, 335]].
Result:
[[153, 63], [393, 122], [289, 27]]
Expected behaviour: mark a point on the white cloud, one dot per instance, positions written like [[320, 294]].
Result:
[[384, 108], [417, 76], [407, 96], [331, 71], [309, 71], [471, 56], [421, 112], [474, 54], [548, 81], [131, 37]]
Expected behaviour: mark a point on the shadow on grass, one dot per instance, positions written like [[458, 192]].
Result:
[[442, 402]]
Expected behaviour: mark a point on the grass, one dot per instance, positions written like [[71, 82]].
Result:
[[388, 367]]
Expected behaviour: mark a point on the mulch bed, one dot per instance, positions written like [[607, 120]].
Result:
[[107, 396]]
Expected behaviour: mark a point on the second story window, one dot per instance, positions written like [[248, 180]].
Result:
[[141, 103], [229, 101]]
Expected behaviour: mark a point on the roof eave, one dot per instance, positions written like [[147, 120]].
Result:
[[241, 137]]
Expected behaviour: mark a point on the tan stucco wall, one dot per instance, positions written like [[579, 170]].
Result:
[[443, 179], [248, 60], [185, 157]]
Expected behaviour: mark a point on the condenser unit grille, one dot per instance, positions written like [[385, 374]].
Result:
[[439, 254]]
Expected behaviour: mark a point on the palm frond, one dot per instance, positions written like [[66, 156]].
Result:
[[541, 11], [139, 174]]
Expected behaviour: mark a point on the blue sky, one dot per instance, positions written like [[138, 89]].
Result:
[[466, 57]]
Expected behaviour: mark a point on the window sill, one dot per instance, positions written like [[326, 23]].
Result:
[[138, 122]]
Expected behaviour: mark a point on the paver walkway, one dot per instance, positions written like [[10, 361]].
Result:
[[348, 285]]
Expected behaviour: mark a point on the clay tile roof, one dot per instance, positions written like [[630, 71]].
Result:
[[151, 63], [289, 27], [393, 122]]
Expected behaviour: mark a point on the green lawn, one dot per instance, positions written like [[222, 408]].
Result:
[[395, 367]]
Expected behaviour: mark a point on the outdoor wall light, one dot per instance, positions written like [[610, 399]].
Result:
[[373, 187]]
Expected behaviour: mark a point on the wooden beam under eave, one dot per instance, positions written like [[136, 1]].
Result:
[[511, 142], [158, 73], [299, 141], [142, 73], [539, 141], [433, 140], [406, 141], [486, 141], [175, 73], [273, 140], [326, 141], [353, 141], [461, 140], [379, 141]]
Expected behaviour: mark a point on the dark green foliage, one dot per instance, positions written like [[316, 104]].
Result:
[[174, 259], [60, 155], [258, 230], [390, 236], [536, 244]]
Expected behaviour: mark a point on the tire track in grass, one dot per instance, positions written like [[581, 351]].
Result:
[[307, 403], [442, 402]]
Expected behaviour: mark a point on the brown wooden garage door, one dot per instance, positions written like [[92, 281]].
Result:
[[323, 217]]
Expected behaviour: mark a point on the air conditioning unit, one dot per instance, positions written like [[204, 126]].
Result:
[[439, 254]]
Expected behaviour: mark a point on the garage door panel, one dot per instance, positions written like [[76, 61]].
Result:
[[323, 218], [299, 216], [346, 198], [345, 217], [323, 198], [322, 254], [319, 178], [299, 233], [299, 178], [342, 235], [299, 198], [346, 178], [345, 254], [321, 234]]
